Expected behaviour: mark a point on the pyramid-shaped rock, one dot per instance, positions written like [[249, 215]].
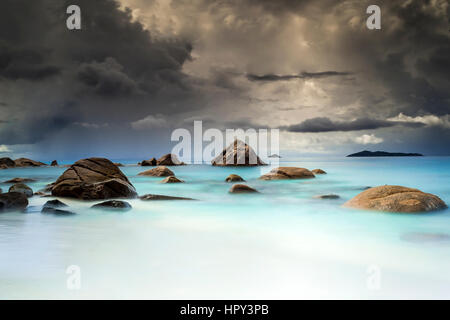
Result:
[[237, 153]]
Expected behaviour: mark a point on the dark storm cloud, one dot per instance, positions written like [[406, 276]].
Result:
[[24, 64], [323, 124], [107, 78], [77, 73], [303, 75]]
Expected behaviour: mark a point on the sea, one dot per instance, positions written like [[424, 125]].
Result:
[[281, 243]]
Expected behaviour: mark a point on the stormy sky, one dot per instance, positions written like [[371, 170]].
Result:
[[140, 68]]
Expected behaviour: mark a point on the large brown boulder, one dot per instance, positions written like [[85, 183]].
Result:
[[13, 201], [92, 179], [161, 171], [396, 199], [169, 160], [24, 162], [237, 153], [6, 163], [281, 173]]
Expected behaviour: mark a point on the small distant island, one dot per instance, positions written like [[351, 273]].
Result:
[[274, 156], [366, 153]]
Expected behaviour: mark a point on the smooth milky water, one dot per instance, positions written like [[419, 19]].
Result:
[[282, 243]]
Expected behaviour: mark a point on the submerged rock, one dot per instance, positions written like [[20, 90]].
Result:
[[149, 163], [281, 173], [149, 197], [13, 201], [169, 160], [318, 171], [160, 171], [93, 179], [57, 212], [53, 207], [328, 196], [54, 204], [54, 163], [242, 188], [396, 199], [22, 188], [24, 162], [234, 178], [237, 153], [19, 180], [113, 204], [171, 179]]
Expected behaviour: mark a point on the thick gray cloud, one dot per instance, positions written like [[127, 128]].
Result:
[[323, 124], [303, 75]]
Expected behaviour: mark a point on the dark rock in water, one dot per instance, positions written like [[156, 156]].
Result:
[[24, 162], [396, 199], [425, 237], [366, 153], [160, 171], [237, 153], [234, 178], [113, 204], [22, 188], [54, 204], [171, 179], [57, 212], [242, 188], [53, 207], [318, 171], [54, 163], [19, 180], [149, 163], [13, 201], [1, 190], [93, 179], [282, 173], [328, 196], [149, 197], [169, 160], [6, 163], [274, 156]]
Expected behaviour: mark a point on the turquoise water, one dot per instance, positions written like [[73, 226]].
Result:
[[282, 243]]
